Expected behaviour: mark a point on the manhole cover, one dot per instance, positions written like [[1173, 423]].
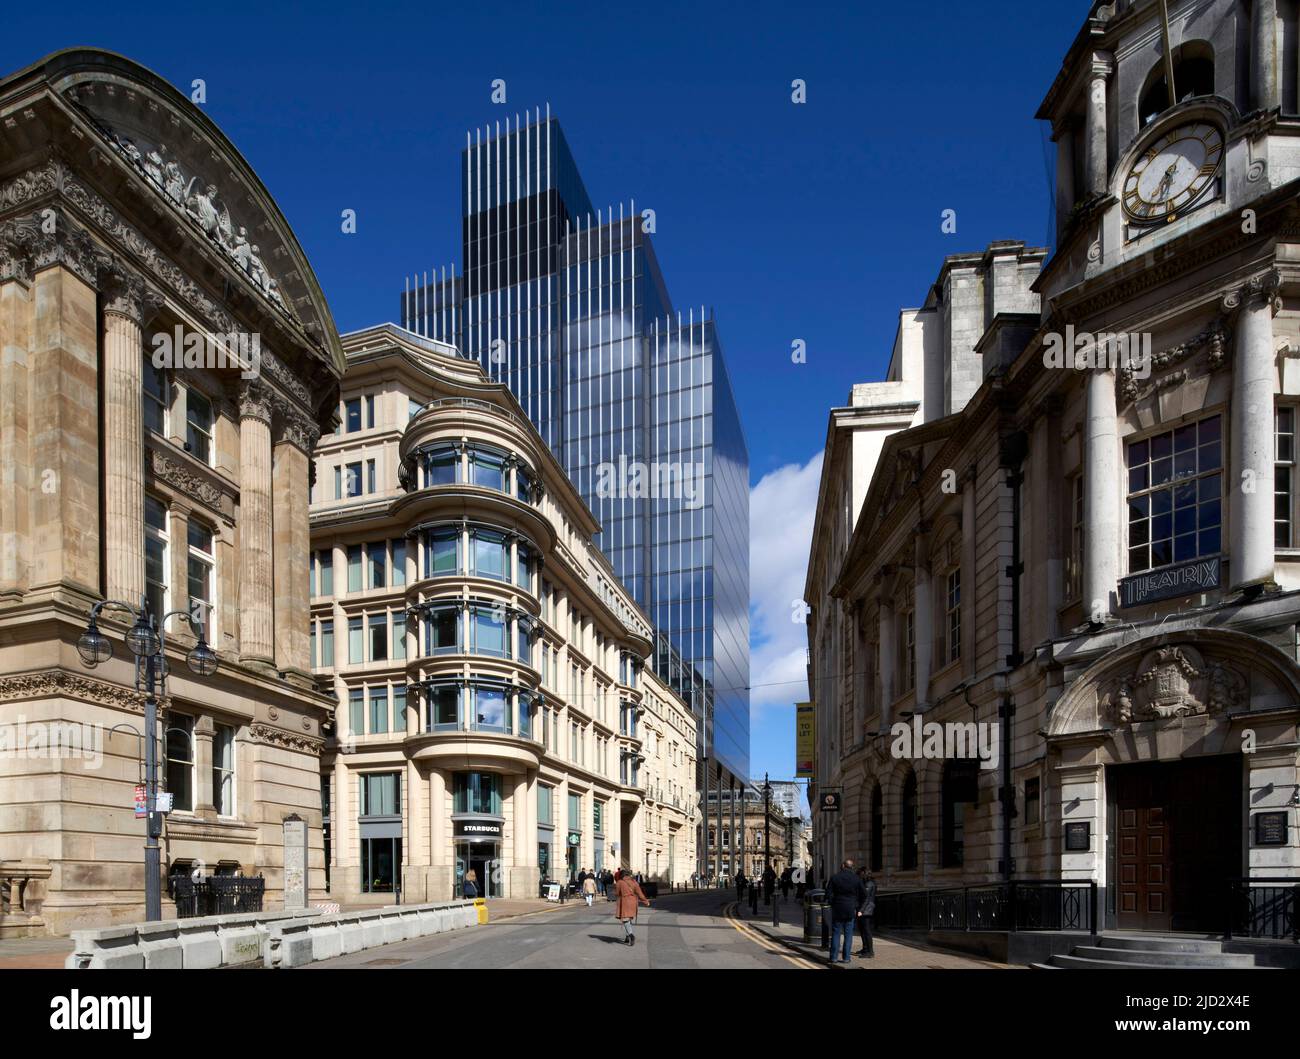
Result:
[[383, 963]]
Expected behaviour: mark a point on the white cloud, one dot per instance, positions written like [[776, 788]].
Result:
[[781, 510]]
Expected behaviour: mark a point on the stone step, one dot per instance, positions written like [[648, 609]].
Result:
[[1078, 963], [1148, 958], [1152, 943]]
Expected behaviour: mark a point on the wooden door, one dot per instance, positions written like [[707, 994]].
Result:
[[1144, 853]]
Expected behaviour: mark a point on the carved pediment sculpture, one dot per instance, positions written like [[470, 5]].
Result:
[[1213, 341], [1172, 681]]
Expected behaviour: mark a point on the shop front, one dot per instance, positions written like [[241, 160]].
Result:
[[478, 850]]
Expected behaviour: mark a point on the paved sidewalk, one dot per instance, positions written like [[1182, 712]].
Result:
[[891, 954], [23, 953]]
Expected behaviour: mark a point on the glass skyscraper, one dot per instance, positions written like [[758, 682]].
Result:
[[566, 305]]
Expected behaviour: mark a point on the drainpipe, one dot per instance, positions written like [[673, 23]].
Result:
[[1014, 449]]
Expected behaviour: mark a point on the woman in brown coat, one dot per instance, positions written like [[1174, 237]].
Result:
[[628, 893]]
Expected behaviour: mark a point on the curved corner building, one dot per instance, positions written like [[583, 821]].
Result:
[[495, 714]]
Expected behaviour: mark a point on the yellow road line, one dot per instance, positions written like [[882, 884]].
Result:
[[763, 941]]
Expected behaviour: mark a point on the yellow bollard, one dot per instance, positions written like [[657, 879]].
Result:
[[481, 907]]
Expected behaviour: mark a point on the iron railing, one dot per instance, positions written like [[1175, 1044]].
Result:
[[1022, 905], [1264, 908], [217, 895]]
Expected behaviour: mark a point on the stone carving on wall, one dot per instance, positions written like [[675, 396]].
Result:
[[52, 682], [177, 474], [1172, 681], [202, 202], [47, 237], [1213, 341], [272, 736]]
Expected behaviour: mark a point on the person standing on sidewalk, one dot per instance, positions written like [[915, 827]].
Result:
[[740, 886], [847, 895], [867, 914], [628, 894], [589, 889]]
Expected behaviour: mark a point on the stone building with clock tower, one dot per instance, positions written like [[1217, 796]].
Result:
[[1094, 560]]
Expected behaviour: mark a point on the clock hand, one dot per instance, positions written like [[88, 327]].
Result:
[[1166, 180]]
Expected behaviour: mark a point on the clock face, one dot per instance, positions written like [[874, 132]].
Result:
[[1173, 173]]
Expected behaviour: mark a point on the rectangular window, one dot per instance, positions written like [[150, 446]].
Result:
[[491, 705], [180, 761], [442, 630], [377, 553], [157, 396], [954, 615], [155, 555], [223, 769], [491, 554], [597, 817], [575, 812], [381, 794], [399, 562], [357, 711], [370, 411], [1175, 495], [327, 572], [356, 644], [352, 415], [545, 809], [379, 709], [573, 741], [198, 426], [441, 467], [1283, 480], [378, 637], [370, 476], [399, 635], [327, 644], [399, 708], [201, 565], [353, 480], [354, 568], [444, 706], [487, 469], [338, 483], [1032, 798], [441, 552], [489, 631]]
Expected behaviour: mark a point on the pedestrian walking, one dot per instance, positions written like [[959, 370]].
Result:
[[740, 885], [589, 889], [867, 916], [769, 884], [786, 881], [471, 884], [847, 896], [629, 895]]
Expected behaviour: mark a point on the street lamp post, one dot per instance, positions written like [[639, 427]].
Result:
[[148, 643]]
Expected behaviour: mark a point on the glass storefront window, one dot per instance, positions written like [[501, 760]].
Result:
[[477, 792], [381, 860]]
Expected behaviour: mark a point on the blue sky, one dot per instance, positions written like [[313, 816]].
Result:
[[814, 222]]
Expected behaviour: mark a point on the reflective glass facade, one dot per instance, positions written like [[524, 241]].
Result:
[[567, 306]]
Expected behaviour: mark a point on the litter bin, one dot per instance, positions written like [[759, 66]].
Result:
[[814, 918]]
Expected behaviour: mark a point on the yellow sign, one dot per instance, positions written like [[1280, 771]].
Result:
[[805, 730]]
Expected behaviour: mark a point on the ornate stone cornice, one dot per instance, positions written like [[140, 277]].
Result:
[[286, 740], [1214, 340], [59, 682], [29, 186], [40, 240]]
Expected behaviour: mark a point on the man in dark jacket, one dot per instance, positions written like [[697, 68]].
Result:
[[867, 915], [847, 896]]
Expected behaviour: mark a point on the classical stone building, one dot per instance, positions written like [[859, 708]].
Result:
[[749, 836], [494, 713], [127, 222], [1082, 549]]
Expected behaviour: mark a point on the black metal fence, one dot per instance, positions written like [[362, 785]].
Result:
[[1023, 905], [1264, 908], [217, 895]]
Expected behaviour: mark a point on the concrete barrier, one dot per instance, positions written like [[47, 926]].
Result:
[[275, 939]]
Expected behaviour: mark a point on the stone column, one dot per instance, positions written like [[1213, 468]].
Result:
[[256, 585], [1250, 488], [178, 598], [1263, 58], [123, 318], [1101, 492], [1095, 171], [924, 617], [204, 730], [295, 436], [1066, 193], [885, 646], [969, 617], [16, 473]]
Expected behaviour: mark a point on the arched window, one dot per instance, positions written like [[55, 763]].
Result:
[[960, 783], [908, 858], [877, 829], [1193, 76]]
